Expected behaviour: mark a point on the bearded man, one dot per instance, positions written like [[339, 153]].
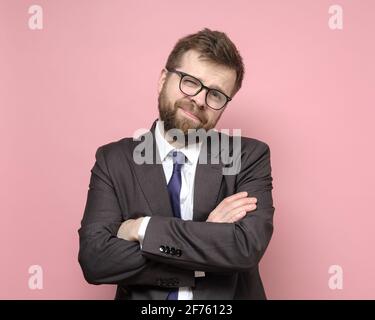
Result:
[[179, 228]]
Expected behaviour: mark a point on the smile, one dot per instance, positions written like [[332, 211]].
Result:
[[190, 115]]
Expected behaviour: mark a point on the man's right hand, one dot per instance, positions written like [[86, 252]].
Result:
[[233, 208]]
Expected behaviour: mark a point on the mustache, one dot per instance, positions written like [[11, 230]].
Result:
[[189, 107]]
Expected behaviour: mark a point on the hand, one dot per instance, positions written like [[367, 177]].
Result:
[[233, 208], [129, 229]]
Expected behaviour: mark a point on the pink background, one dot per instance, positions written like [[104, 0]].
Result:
[[89, 77]]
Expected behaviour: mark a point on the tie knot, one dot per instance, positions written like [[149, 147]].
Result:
[[178, 157]]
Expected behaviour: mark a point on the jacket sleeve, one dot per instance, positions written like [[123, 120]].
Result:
[[107, 259], [221, 247]]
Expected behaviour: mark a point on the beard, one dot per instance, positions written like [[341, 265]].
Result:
[[169, 113]]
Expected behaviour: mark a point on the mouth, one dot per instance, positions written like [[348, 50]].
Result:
[[190, 115]]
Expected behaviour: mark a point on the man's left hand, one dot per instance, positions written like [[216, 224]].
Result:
[[129, 229]]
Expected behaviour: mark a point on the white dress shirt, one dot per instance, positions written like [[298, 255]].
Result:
[[187, 188]]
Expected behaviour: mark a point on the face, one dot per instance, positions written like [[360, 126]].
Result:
[[183, 112]]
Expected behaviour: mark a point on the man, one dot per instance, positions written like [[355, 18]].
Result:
[[178, 228]]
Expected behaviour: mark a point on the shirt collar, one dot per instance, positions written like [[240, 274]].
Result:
[[191, 151]]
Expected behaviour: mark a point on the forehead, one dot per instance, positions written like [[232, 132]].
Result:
[[212, 75]]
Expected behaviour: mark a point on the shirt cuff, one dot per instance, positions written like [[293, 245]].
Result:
[[199, 274], [142, 230]]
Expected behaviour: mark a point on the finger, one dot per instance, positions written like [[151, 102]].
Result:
[[238, 203], [234, 212], [232, 215], [253, 200], [230, 199], [237, 216], [236, 196]]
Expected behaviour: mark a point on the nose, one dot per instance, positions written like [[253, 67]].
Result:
[[200, 99]]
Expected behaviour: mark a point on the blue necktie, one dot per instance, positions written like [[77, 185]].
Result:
[[174, 189]]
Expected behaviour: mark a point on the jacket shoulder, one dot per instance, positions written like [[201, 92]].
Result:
[[252, 144], [247, 144], [115, 148]]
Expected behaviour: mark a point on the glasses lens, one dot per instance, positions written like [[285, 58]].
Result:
[[189, 85], [216, 99]]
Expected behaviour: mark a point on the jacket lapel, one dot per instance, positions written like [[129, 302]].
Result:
[[206, 186], [152, 180]]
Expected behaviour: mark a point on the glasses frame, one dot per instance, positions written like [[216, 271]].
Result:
[[183, 74]]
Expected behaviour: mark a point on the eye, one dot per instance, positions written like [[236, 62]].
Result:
[[190, 82], [216, 95]]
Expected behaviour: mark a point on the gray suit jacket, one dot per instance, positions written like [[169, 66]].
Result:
[[229, 253]]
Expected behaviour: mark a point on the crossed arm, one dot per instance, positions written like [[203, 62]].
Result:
[[231, 209], [239, 242]]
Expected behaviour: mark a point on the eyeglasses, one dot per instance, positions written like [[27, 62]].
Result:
[[191, 86]]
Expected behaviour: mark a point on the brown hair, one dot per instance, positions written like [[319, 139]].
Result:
[[214, 46]]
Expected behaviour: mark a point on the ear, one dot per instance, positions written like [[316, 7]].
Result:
[[162, 78]]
